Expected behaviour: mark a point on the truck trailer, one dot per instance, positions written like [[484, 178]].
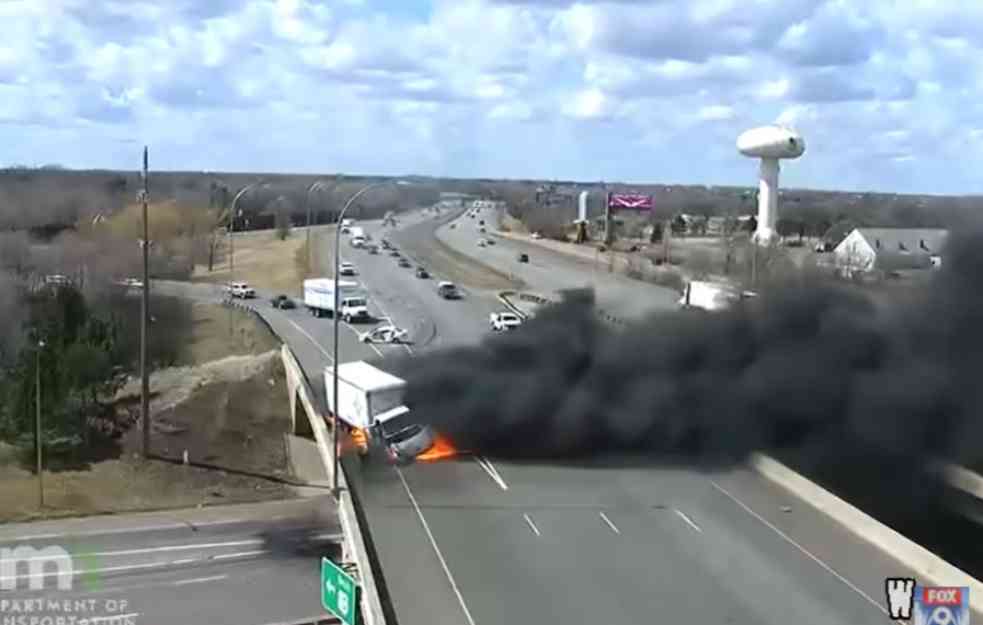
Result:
[[352, 299], [370, 405], [711, 296]]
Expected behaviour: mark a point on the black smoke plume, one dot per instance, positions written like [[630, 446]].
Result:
[[816, 372]]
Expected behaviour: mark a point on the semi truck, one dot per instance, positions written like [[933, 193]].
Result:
[[352, 300], [370, 406], [711, 296]]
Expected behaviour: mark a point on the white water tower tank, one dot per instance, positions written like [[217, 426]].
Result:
[[769, 143]]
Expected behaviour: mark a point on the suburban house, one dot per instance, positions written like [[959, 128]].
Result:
[[890, 250]]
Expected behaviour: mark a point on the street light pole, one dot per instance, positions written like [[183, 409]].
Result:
[[144, 314], [319, 185], [232, 212], [37, 424], [334, 374]]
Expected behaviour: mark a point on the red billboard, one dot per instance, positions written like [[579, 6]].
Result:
[[630, 201]]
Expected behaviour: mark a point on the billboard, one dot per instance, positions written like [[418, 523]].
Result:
[[630, 201]]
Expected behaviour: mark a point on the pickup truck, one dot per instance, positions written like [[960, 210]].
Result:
[[241, 290], [502, 321]]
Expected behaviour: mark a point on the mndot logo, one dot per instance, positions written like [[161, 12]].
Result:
[[36, 565]]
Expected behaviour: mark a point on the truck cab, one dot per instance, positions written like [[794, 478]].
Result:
[[354, 309]]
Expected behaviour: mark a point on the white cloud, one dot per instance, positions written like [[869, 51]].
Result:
[[474, 85]]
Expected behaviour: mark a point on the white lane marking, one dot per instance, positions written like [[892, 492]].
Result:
[[116, 618], [492, 472], [311, 339], [531, 525], [241, 554], [802, 549], [433, 543], [689, 521], [185, 561], [130, 552], [199, 580], [125, 530], [610, 523]]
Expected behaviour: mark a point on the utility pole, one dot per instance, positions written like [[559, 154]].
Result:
[[144, 316], [37, 424]]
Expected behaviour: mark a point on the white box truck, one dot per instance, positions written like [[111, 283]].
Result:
[[352, 299], [711, 296], [370, 404]]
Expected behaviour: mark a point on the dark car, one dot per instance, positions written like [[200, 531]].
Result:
[[282, 302], [404, 263], [394, 252], [481, 223], [447, 290], [523, 258], [385, 244], [422, 273]]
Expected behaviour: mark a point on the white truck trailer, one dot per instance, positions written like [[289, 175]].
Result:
[[352, 299], [711, 296], [370, 404]]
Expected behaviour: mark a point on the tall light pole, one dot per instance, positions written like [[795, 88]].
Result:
[[232, 212], [144, 315], [334, 374], [37, 424], [319, 185]]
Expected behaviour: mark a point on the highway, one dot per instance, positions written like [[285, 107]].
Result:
[[485, 541], [548, 271], [252, 564]]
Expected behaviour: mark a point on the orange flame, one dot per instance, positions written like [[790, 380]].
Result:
[[441, 449]]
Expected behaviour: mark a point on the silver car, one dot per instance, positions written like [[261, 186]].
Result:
[[405, 445]]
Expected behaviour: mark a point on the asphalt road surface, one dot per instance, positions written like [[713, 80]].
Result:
[[548, 271], [484, 541], [252, 564]]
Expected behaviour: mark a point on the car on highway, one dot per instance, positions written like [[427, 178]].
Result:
[[537, 236], [347, 269], [523, 258], [453, 226], [385, 244], [373, 249], [503, 321], [422, 273], [394, 252], [345, 229], [489, 241], [405, 445], [481, 223], [282, 302], [384, 334], [404, 263], [481, 243], [482, 230], [241, 290], [448, 290]]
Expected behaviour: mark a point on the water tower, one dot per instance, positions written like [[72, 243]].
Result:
[[769, 143]]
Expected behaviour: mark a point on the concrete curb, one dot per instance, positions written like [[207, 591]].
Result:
[[926, 565]]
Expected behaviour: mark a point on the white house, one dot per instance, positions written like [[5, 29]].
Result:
[[890, 249]]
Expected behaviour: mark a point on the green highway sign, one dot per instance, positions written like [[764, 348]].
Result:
[[339, 592]]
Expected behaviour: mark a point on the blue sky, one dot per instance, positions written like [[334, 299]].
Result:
[[887, 95]]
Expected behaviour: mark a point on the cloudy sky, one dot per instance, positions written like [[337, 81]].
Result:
[[886, 93]]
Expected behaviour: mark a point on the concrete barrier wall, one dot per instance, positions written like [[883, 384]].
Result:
[[926, 565], [354, 547]]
